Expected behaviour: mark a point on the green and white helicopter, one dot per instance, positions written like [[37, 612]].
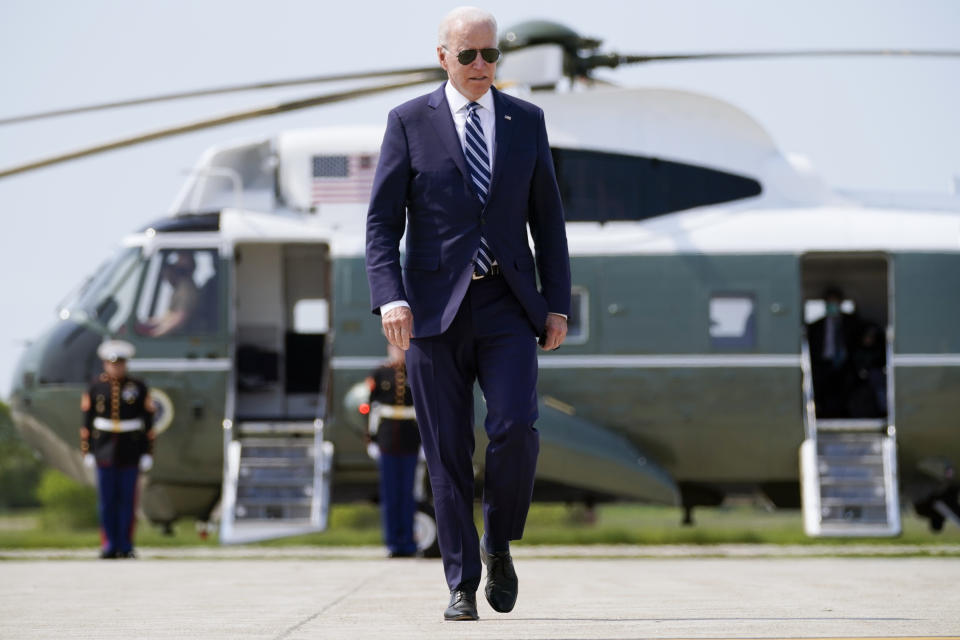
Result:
[[699, 254]]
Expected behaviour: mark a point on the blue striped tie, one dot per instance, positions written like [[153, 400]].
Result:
[[475, 149]]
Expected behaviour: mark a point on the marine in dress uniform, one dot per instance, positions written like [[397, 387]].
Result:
[[393, 427], [116, 437]]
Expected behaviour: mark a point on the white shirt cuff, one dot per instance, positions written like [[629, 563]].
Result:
[[554, 313], [393, 305]]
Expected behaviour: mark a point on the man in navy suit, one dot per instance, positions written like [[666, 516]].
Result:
[[465, 170]]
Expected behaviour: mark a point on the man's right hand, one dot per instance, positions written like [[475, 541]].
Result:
[[398, 326]]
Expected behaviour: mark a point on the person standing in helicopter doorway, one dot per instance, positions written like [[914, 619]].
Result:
[[117, 439], [395, 443]]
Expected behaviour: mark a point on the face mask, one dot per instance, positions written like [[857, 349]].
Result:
[[833, 309]]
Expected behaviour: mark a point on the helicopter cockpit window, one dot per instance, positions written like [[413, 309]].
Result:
[[105, 300], [180, 295], [597, 186], [733, 321], [108, 298]]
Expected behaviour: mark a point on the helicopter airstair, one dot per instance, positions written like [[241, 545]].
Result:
[[276, 480], [848, 470]]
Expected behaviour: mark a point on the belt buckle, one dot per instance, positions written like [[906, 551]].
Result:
[[494, 271]]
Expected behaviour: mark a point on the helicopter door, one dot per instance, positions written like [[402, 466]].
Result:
[[848, 459], [281, 315], [276, 468]]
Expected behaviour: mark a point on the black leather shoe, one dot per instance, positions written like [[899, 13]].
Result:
[[502, 584], [463, 606]]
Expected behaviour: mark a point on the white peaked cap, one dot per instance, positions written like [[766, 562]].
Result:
[[113, 350]]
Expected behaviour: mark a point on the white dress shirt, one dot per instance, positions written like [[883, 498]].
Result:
[[458, 109]]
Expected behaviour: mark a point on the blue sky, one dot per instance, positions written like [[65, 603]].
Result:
[[886, 124]]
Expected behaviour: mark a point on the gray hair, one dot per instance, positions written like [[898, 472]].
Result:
[[465, 15]]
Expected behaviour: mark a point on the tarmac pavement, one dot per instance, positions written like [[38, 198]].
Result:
[[564, 593]]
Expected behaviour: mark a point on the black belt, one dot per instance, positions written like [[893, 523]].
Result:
[[494, 272]]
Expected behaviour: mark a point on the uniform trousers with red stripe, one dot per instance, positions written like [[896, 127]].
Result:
[[117, 491]]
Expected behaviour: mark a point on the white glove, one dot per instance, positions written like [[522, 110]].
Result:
[[89, 461], [146, 462], [373, 451]]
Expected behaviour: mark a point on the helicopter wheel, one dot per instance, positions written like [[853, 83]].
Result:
[[425, 531], [925, 510], [940, 507]]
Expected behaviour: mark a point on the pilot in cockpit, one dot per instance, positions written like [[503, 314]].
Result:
[[178, 273]]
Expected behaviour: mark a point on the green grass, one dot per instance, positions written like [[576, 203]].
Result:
[[359, 524], [648, 525], [33, 530]]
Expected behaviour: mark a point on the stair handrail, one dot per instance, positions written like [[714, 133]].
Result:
[[809, 402], [891, 393], [231, 480]]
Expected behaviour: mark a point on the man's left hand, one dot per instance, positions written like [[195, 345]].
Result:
[[556, 331]]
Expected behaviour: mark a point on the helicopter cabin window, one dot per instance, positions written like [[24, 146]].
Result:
[[578, 323], [597, 186], [311, 316], [180, 295], [733, 322]]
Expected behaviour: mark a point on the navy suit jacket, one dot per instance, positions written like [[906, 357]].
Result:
[[422, 184]]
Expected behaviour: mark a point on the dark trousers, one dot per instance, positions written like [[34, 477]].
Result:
[[492, 342], [397, 505], [117, 490]]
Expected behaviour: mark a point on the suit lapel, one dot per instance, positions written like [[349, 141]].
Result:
[[442, 123], [503, 133]]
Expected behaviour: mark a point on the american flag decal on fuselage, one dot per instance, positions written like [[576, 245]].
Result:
[[342, 178]]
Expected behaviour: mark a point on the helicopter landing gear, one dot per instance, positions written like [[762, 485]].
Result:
[[941, 508], [695, 495], [941, 503], [425, 531]]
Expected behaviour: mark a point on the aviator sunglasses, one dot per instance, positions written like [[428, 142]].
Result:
[[467, 56]]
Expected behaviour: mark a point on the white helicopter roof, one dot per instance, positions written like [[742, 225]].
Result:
[[298, 149], [795, 212], [672, 125], [664, 123], [753, 229], [237, 226]]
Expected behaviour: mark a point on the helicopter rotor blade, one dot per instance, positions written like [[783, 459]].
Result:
[[599, 60], [255, 86], [615, 60], [229, 118]]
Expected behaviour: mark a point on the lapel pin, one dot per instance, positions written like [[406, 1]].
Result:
[[507, 118]]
